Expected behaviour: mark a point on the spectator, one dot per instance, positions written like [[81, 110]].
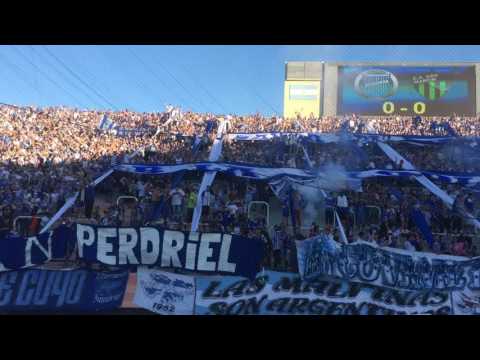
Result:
[[177, 196], [191, 202], [207, 201]]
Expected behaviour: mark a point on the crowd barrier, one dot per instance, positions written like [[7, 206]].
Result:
[[251, 211], [21, 224]]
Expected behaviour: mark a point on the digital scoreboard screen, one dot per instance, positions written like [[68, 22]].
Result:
[[406, 90]]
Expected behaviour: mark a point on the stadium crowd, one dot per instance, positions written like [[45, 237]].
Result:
[[387, 125], [48, 154]]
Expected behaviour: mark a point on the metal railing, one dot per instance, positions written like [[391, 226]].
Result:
[[127, 221], [126, 197], [24, 231], [267, 207]]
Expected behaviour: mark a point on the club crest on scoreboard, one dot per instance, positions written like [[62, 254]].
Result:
[[376, 84], [431, 86]]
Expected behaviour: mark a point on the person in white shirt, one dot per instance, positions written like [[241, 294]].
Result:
[[232, 208], [342, 201], [177, 196], [342, 208], [407, 245], [140, 188], [291, 163], [207, 201]]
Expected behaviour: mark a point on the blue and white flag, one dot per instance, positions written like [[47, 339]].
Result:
[[18, 252], [124, 132], [5, 139], [164, 293], [419, 219], [323, 138], [253, 171], [106, 124]]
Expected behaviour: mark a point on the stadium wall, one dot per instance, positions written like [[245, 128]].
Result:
[[477, 89], [330, 90]]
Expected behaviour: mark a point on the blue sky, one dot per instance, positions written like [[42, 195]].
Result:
[[219, 79]]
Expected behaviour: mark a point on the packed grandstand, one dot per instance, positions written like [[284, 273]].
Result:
[[56, 162]]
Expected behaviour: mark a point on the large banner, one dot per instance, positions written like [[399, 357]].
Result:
[[325, 138], [394, 268], [252, 171], [274, 293], [215, 253], [80, 290], [164, 293], [18, 252]]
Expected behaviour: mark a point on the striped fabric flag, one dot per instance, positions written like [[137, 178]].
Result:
[[419, 219], [106, 123], [5, 139], [277, 240]]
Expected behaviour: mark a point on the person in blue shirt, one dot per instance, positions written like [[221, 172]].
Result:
[[469, 204], [285, 212], [226, 219]]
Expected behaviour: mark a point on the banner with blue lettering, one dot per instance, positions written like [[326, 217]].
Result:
[[17, 252], [124, 132], [323, 138], [395, 268], [164, 293], [252, 171], [79, 290], [275, 293], [214, 253]]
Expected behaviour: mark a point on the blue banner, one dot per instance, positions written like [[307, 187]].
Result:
[[214, 253], [124, 132], [328, 138], [79, 290], [395, 268], [252, 171], [17, 252]]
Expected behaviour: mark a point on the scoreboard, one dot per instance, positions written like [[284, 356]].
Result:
[[376, 89], [406, 90]]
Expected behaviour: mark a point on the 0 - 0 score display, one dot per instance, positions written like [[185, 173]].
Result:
[[406, 90], [419, 108]]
